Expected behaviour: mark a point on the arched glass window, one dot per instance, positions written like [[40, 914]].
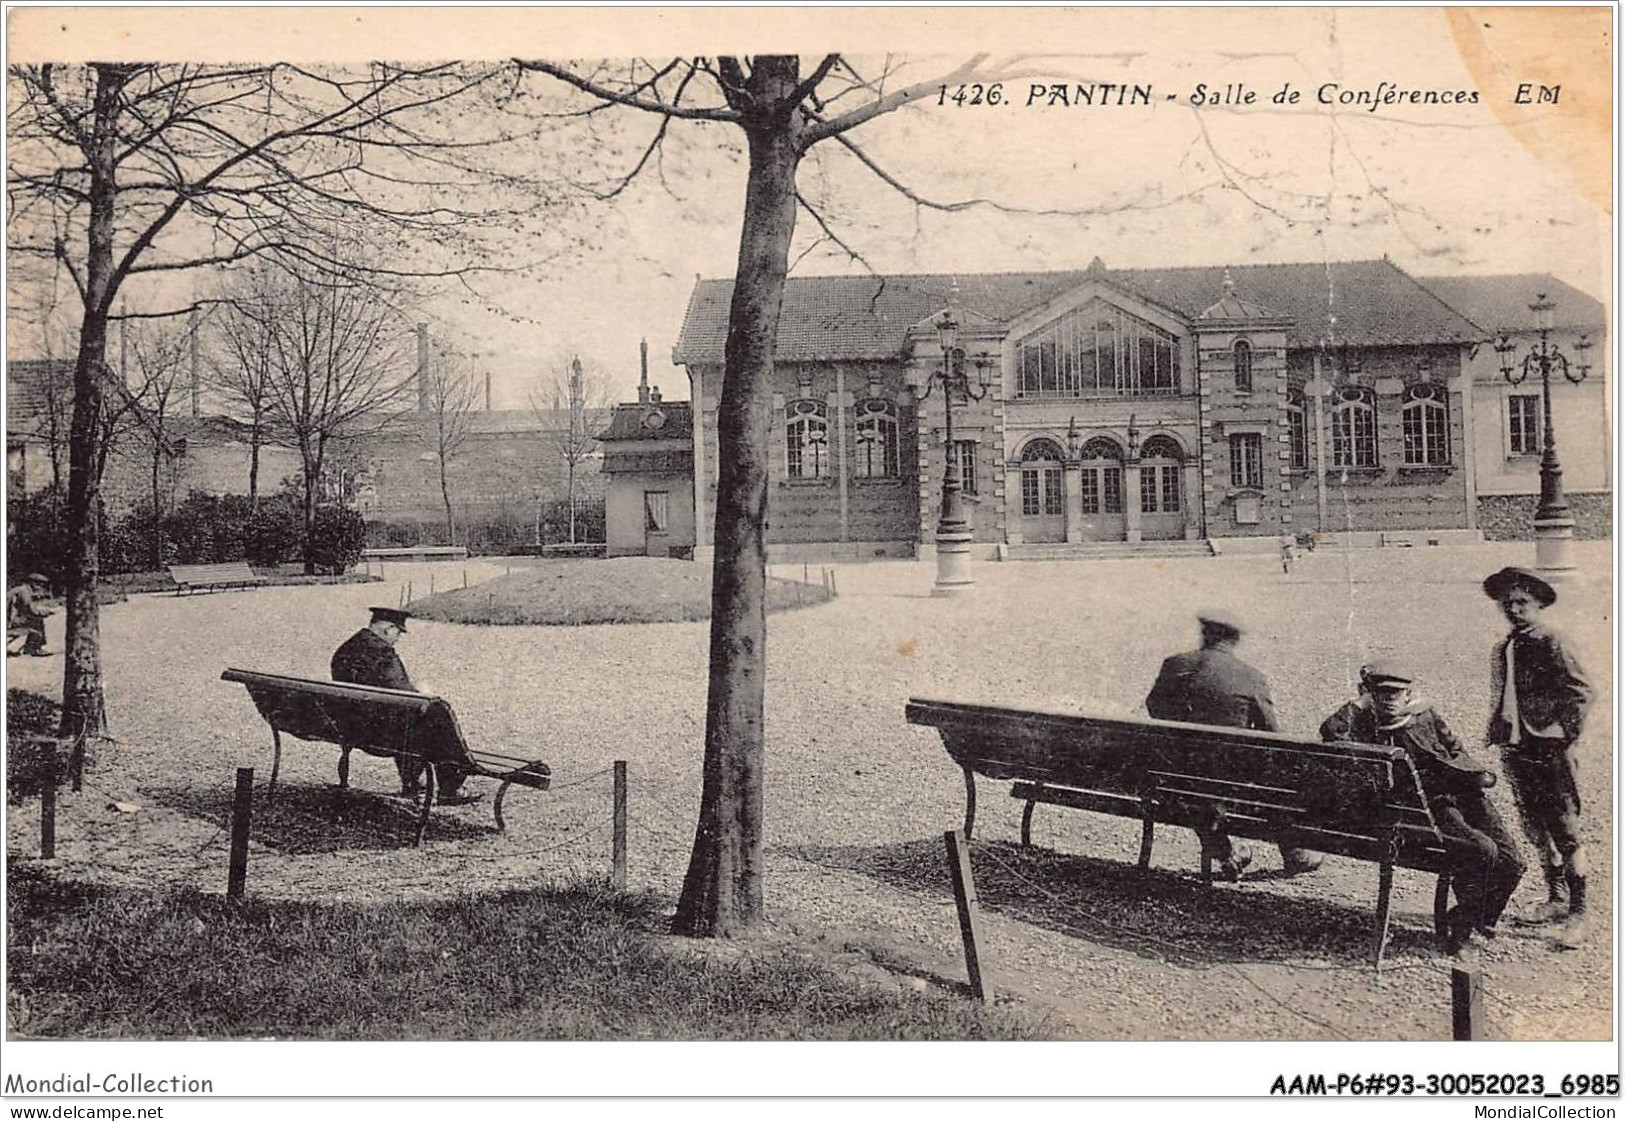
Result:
[[1244, 364], [1098, 350], [1297, 428], [876, 439], [1160, 458], [1102, 476], [1041, 478], [1425, 421], [806, 439], [1354, 428]]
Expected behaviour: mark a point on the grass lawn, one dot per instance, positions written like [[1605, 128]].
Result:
[[618, 590], [572, 962]]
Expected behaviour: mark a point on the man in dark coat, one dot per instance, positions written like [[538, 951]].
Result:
[[25, 613], [1540, 694], [368, 657], [1213, 686], [1486, 867]]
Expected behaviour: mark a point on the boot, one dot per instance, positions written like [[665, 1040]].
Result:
[[1557, 897]]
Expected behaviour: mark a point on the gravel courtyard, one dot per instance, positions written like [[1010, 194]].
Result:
[[856, 799]]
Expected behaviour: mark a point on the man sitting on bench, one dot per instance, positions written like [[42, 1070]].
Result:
[[1486, 865], [368, 657], [1213, 686]]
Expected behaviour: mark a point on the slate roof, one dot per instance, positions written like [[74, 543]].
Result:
[[1501, 302], [627, 423], [867, 317], [28, 382]]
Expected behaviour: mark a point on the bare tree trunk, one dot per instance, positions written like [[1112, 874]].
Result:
[[311, 472], [254, 463], [445, 496], [572, 493], [157, 508], [722, 890], [83, 706]]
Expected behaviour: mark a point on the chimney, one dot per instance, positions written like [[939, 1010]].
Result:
[[654, 396], [488, 391], [423, 367], [196, 387], [643, 378]]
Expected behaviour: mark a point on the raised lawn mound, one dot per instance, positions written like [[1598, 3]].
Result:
[[578, 592]]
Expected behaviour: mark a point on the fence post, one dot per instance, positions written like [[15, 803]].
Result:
[[970, 923], [465, 577], [47, 805], [242, 809], [618, 875], [1466, 1002], [431, 583]]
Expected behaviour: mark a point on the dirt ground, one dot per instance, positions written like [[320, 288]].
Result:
[[857, 800]]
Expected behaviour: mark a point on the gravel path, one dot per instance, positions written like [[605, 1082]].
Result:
[[856, 799]]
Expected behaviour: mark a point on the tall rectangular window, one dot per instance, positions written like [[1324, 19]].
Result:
[[1170, 490], [1148, 489], [965, 452], [1523, 420], [1111, 480], [1091, 492], [1247, 460]]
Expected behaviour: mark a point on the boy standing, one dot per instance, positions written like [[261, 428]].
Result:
[[1540, 695]]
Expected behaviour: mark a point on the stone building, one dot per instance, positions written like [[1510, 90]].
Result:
[[1122, 406], [649, 475]]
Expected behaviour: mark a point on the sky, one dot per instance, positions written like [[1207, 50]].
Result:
[[1485, 186]]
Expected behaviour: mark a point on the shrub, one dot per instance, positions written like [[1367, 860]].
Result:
[[273, 532], [336, 539], [36, 534]]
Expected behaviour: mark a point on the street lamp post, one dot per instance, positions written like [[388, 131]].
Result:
[[953, 536], [1554, 529]]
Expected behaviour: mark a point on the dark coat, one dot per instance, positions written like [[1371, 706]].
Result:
[[366, 659], [1448, 774], [1552, 687], [1212, 686]]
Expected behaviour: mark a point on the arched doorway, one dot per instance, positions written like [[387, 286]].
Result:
[[1043, 502], [1162, 498], [1100, 481]]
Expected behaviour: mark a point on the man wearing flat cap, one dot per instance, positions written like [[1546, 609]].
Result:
[[1539, 695], [368, 657], [1213, 686], [1485, 866]]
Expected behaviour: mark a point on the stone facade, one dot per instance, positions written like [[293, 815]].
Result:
[[1255, 402]]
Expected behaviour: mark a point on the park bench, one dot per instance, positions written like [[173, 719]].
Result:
[[382, 722], [207, 577], [1355, 800], [416, 553]]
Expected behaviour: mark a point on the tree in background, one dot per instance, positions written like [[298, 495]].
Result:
[[338, 365], [570, 404], [239, 356], [450, 396], [159, 351]]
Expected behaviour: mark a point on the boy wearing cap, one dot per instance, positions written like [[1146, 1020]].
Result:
[[1213, 686], [1540, 694], [1487, 867], [368, 657]]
